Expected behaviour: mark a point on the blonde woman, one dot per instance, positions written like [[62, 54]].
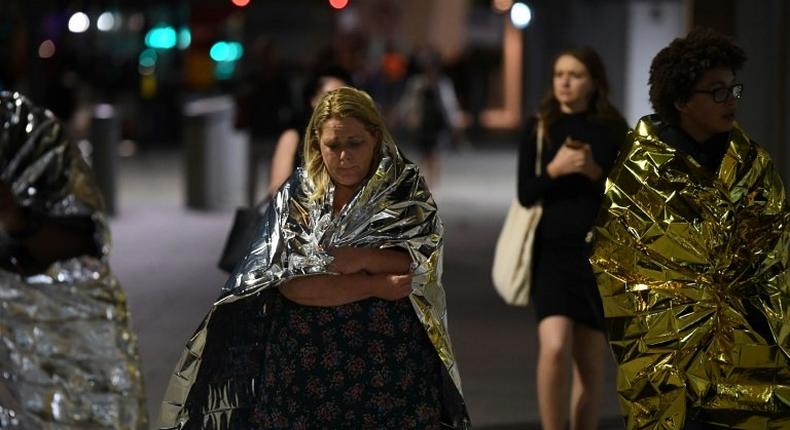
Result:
[[325, 323]]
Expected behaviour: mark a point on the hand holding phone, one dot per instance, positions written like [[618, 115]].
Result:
[[574, 144]]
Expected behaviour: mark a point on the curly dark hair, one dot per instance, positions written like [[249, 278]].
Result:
[[677, 69]]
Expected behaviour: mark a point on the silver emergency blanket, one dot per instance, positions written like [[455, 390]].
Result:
[[68, 358], [392, 209]]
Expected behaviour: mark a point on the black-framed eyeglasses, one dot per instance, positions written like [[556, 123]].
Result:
[[720, 95]]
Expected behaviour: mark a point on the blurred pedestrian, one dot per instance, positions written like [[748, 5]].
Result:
[[429, 107], [264, 107], [583, 134], [392, 73], [691, 254], [68, 356], [336, 318]]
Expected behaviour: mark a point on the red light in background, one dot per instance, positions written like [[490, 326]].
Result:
[[338, 4], [241, 3]]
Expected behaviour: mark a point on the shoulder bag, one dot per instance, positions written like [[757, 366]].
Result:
[[241, 234], [513, 257]]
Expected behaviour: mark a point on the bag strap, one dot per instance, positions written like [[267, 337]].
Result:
[[539, 146]]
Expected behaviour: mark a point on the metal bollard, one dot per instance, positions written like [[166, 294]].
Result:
[[215, 155], [104, 137]]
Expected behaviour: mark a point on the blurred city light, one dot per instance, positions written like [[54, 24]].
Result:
[[147, 86], [79, 22], [46, 49], [338, 4], [219, 51], [148, 58], [161, 38], [106, 21], [520, 15], [224, 69], [236, 51], [502, 6], [241, 3], [184, 38], [226, 51], [118, 18]]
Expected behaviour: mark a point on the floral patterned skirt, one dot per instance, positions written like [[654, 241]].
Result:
[[365, 365]]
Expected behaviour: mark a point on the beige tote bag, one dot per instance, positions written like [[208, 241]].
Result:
[[512, 269]]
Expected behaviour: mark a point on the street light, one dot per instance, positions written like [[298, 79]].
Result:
[[46, 49], [520, 15], [338, 4], [79, 22], [106, 21]]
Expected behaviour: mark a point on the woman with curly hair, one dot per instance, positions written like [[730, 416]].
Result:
[[690, 254]]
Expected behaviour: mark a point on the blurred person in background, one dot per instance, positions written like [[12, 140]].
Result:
[[691, 254], [582, 136], [392, 72], [429, 108], [68, 356], [287, 153], [326, 322], [263, 107]]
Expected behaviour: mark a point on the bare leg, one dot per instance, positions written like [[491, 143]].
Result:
[[431, 168], [555, 335], [589, 353]]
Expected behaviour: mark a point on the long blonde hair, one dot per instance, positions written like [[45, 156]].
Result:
[[344, 102]]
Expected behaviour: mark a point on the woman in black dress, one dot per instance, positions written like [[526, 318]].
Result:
[[583, 133]]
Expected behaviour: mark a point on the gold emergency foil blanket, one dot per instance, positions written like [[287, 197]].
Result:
[[692, 270], [392, 209], [68, 357]]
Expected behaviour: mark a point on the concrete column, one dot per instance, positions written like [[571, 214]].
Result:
[[761, 30], [563, 24], [652, 25], [716, 14]]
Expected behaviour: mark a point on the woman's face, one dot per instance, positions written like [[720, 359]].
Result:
[[701, 116], [573, 86], [347, 150]]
